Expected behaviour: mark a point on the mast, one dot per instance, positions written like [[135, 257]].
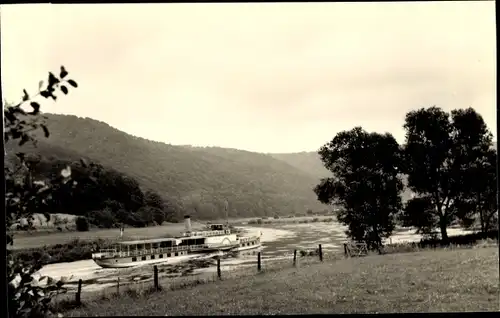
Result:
[[226, 208]]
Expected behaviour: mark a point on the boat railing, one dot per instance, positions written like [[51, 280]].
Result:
[[161, 250], [246, 239], [206, 233]]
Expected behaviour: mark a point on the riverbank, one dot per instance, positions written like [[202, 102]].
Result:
[[430, 281], [278, 239], [41, 238]]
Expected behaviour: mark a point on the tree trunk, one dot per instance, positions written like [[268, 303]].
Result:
[[442, 223], [444, 232], [481, 215]]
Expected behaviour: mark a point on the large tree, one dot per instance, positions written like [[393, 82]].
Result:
[[365, 183], [439, 152]]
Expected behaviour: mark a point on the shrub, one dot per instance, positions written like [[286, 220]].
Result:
[[82, 224], [103, 218]]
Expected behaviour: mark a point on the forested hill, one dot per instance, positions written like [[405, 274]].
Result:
[[196, 179], [309, 162]]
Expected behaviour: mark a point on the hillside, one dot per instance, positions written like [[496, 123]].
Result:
[[306, 161], [254, 184], [311, 163]]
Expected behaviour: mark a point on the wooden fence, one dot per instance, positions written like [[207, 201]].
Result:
[[350, 250]]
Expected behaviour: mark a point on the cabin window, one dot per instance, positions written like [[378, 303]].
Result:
[[168, 254], [166, 244], [176, 254], [147, 246], [143, 258], [199, 241], [161, 255], [134, 259], [152, 257]]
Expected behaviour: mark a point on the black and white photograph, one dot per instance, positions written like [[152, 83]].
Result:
[[246, 158]]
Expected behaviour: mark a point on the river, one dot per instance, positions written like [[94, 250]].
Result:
[[279, 240]]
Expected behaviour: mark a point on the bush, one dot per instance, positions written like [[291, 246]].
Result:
[[103, 218], [82, 224]]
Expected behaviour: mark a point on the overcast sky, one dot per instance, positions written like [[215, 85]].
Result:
[[262, 77]]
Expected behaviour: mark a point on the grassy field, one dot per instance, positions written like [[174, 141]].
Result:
[[35, 239], [430, 281]]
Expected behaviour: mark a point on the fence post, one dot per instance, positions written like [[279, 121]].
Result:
[[218, 268], [258, 262], [155, 271], [294, 257], [118, 286], [320, 253], [345, 250], [78, 295]]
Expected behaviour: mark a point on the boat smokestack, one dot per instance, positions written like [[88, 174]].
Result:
[[187, 223]]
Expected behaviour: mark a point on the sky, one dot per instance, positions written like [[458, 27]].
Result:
[[275, 77]]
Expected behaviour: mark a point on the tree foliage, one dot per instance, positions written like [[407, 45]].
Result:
[[28, 296], [442, 153], [365, 183], [108, 198], [478, 201]]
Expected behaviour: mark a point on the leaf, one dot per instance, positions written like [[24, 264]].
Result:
[[40, 84], [64, 89], [72, 83], [84, 163], [21, 156], [63, 72], [52, 79], [24, 139], [66, 173], [45, 94], [25, 95], [45, 131], [35, 106]]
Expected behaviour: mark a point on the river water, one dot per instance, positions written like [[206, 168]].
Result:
[[279, 241]]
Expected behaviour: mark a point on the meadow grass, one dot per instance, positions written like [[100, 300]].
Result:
[[36, 240], [427, 281]]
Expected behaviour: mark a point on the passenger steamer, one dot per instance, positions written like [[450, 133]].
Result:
[[217, 238]]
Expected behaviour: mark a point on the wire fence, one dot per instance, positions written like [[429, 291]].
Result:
[[156, 278]]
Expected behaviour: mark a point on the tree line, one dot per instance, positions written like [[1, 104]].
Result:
[[449, 164], [101, 196]]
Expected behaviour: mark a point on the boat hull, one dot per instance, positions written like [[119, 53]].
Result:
[[125, 262], [246, 248]]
